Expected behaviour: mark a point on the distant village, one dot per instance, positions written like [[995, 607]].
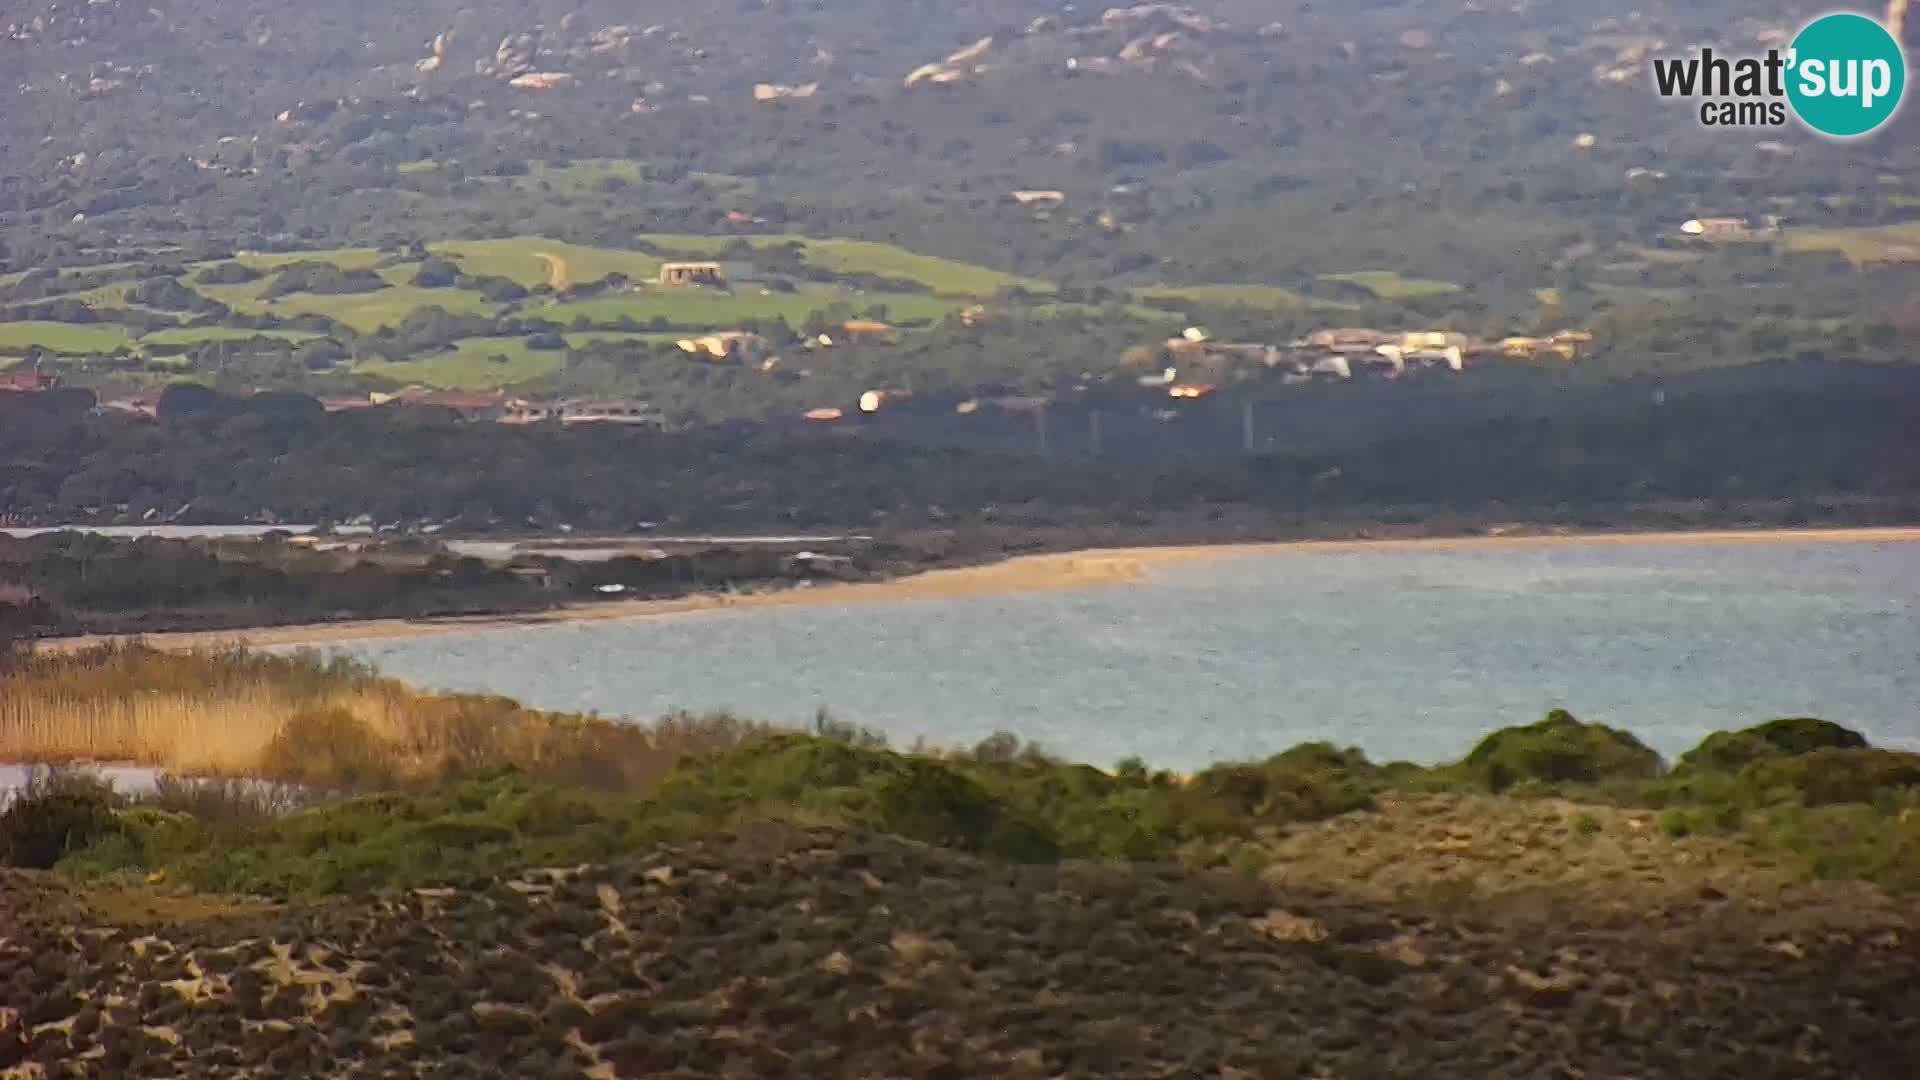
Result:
[[1190, 366], [1195, 364], [1183, 368]]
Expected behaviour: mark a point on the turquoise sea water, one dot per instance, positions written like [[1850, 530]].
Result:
[[1406, 654]]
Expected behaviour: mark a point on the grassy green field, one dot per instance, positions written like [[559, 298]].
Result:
[[72, 271], [63, 337], [719, 311], [364, 312], [107, 296], [1879, 243], [577, 178], [471, 365], [344, 258], [836, 256], [104, 296], [518, 258], [194, 335], [1143, 312], [587, 338], [1271, 297], [941, 275], [1390, 285], [367, 312]]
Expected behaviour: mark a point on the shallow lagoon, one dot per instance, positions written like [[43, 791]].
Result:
[[1409, 654]]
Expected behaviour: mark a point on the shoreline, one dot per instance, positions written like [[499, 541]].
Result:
[[1044, 572]]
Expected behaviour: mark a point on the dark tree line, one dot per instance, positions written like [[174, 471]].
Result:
[[1786, 433]]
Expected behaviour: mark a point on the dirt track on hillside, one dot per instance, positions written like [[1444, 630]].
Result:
[[556, 270]]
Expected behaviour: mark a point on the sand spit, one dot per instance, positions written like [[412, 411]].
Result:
[[1027, 573]]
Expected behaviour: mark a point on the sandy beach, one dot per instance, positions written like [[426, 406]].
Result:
[[1027, 573]]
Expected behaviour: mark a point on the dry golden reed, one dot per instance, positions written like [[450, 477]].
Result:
[[309, 719]]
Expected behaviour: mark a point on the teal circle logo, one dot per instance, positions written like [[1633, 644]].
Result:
[[1846, 74]]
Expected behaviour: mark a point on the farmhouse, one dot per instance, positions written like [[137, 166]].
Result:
[[482, 408], [1039, 200], [30, 381], [874, 400], [541, 80], [1715, 226], [1347, 340], [726, 345], [611, 412], [765, 93], [570, 413], [1432, 339], [692, 273], [466, 406]]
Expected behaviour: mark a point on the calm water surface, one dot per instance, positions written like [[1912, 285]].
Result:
[[1407, 654]]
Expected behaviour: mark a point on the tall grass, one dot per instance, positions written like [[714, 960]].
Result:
[[325, 721]]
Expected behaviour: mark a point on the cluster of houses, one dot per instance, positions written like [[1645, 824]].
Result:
[[501, 408], [1194, 362], [1194, 365], [497, 407]]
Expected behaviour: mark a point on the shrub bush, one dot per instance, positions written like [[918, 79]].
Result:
[[1850, 841], [329, 747], [228, 273], [827, 726], [1557, 750], [932, 803], [436, 273], [57, 813], [1732, 750], [1829, 777], [1307, 783]]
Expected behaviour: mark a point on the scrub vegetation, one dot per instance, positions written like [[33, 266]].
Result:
[[530, 787]]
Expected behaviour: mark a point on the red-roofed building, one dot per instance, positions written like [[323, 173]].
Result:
[[145, 403], [465, 405], [468, 406], [27, 381]]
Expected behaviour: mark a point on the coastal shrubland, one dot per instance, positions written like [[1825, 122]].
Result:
[[714, 897], [1723, 751], [1559, 749], [401, 787]]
